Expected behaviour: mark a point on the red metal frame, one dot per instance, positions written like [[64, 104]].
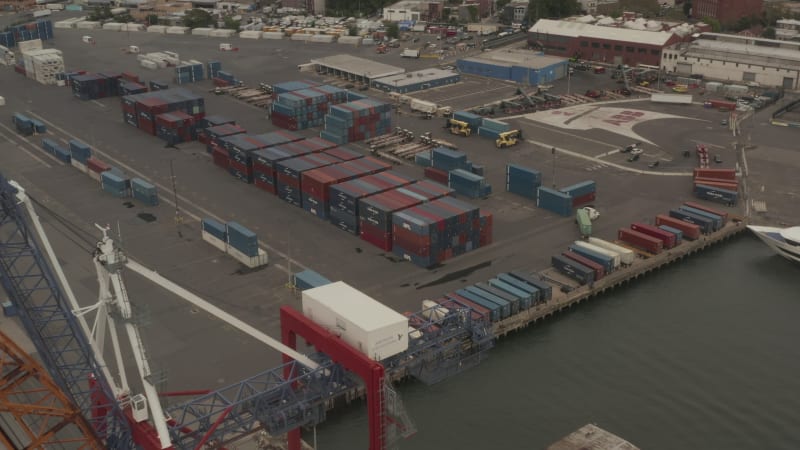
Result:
[[294, 323]]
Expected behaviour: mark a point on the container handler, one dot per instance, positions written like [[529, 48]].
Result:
[[508, 139], [458, 127]]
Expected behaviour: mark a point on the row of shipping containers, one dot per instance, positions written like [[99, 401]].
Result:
[[453, 169], [93, 86], [40, 29], [27, 126], [562, 201], [233, 234], [499, 298], [170, 114], [717, 185]]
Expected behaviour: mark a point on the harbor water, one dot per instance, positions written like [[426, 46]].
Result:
[[703, 354]]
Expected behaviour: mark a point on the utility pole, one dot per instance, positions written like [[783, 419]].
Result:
[[178, 217], [554, 167]]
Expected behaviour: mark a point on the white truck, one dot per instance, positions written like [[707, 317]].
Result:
[[678, 99], [409, 53], [41, 13], [423, 106]]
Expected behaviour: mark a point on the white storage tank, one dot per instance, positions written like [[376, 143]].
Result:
[[367, 325]]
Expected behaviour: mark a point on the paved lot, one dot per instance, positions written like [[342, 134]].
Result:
[[525, 236]]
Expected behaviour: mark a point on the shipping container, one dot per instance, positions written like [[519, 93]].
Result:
[[727, 196], [678, 233], [534, 280], [599, 270], [478, 314], [626, 255], [512, 306], [491, 310], [572, 269], [535, 293], [361, 321], [689, 231], [719, 174], [616, 259], [640, 240], [554, 201], [504, 310], [523, 300], [594, 254], [580, 189], [716, 221], [668, 240], [214, 228], [705, 224], [309, 279]]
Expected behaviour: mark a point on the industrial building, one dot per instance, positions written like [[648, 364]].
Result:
[[727, 11], [743, 59], [354, 68], [787, 29], [522, 66], [416, 81], [600, 43], [405, 10]]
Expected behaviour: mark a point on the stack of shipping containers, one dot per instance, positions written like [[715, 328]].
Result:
[[492, 128], [356, 121], [581, 193], [468, 184], [315, 184], [141, 110], [289, 172], [522, 180], [265, 160], [433, 232], [298, 110], [554, 201], [40, 29], [718, 185], [189, 72], [344, 197], [52, 147], [240, 148]]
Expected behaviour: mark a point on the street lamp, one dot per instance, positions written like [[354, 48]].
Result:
[[554, 167]]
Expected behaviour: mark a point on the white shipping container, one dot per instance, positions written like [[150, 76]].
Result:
[[367, 325], [352, 40], [118, 11], [157, 29], [272, 35], [324, 38], [55, 6], [626, 255], [132, 27], [42, 13], [148, 64], [29, 46], [113, 26], [64, 24], [87, 25], [2, 100], [178, 30], [223, 33], [252, 34], [301, 37], [202, 31]]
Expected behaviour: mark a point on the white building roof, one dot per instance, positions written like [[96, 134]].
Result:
[[358, 66], [740, 51], [516, 57], [575, 29], [789, 22], [420, 76]]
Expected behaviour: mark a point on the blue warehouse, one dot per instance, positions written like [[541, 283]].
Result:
[[416, 81], [522, 66]]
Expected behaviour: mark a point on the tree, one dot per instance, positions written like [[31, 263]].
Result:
[[473, 13], [769, 33], [715, 25], [151, 19], [543, 9], [198, 18], [352, 30], [743, 23], [392, 30], [231, 24], [123, 18]]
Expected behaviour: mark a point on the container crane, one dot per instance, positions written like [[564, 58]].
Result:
[[278, 400]]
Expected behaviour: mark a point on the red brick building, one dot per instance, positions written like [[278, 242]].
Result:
[[727, 11], [597, 43]]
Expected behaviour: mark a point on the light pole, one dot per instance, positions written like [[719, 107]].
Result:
[[569, 79], [554, 167]]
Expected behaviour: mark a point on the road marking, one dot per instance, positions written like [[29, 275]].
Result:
[[98, 103], [606, 144], [707, 144], [43, 162], [167, 199], [608, 163]]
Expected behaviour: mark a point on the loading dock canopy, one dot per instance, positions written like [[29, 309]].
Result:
[[355, 68]]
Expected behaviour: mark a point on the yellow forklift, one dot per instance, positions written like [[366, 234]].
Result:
[[458, 127], [508, 139]]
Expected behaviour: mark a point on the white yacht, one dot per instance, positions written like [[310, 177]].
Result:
[[783, 241]]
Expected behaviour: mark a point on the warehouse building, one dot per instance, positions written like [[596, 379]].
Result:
[[416, 81], [598, 43], [727, 12], [354, 68], [522, 66], [741, 59]]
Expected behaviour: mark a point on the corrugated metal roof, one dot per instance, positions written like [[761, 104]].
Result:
[[517, 57], [419, 76], [575, 29], [358, 66], [742, 53]]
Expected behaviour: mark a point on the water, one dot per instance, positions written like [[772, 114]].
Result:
[[701, 355]]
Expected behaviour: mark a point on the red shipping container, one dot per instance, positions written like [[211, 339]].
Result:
[[471, 305], [241, 167], [264, 186], [721, 174], [219, 82], [584, 199], [437, 175], [375, 235], [640, 240], [220, 157], [95, 165], [703, 180], [131, 77], [690, 230], [599, 271], [722, 214], [668, 240]]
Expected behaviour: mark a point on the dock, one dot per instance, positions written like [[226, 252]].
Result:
[[592, 437], [642, 266]]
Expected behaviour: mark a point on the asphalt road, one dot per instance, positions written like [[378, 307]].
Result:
[[200, 352]]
